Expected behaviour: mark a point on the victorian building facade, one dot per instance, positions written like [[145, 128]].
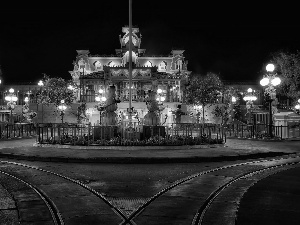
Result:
[[95, 73]]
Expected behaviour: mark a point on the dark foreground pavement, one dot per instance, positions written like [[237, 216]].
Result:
[[234, 149], [278, 203]]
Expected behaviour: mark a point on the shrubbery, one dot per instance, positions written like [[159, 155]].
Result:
[[175, 140]]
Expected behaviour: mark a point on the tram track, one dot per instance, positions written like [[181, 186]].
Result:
[[179, 182], [199, 217], [55, 214], [49, 202], [242, 170]]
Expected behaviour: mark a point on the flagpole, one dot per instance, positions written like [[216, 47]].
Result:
[[130, 62]]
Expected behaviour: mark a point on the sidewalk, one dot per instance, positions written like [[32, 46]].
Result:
[[234, 149]]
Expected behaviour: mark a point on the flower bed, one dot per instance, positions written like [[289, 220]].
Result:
[[174, 140]]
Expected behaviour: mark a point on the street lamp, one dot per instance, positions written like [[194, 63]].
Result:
[[161, 98], [198, 112], [249, 98], [41, 84], [11, 99], [62, 107], [101, 100], [270, 80], [297, 107]]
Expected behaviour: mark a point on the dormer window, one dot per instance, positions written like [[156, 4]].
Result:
[[98, 66], [148, 64], [162, 66]]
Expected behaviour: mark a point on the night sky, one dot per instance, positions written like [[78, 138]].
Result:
[[234, 41]]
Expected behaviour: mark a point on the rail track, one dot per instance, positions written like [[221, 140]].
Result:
[[237, 172], [54, 210], [198, 218]]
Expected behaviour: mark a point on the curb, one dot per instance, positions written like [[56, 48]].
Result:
[[170, 147], [143, 160]]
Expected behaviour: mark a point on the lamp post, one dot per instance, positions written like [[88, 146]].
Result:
[[198, 112], [41, 84], [249, 98], [101, 100], [297, 107], [270, 80], [11, 99], [161, 98], [62, 107]]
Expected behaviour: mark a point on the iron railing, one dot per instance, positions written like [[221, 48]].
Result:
[[169, 134], [17, 130]]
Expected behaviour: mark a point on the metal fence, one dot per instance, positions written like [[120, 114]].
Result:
[[259, 131], [17, 130], [169, 134]]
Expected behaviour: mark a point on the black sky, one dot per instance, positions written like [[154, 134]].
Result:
[[233, 40]]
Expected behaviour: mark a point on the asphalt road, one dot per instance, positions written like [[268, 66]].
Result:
[[147, 193]]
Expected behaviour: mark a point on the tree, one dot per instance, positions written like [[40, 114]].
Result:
[[226, 110], [288, 68], [55, 90], [204, 90]]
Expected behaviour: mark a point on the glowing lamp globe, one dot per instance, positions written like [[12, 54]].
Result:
[[40, 83], [11, 90], [276, 81], [157, 99], [8, 98], [249, 90], [162, 99], [159, 91], [246, 98], [14, 98], [270, 67], [97, 99], [298, 100], [100, 91], [265, 81], [103, 99], [62, 101], [26, 99], [297, 106], [233, 99], [253, 98]]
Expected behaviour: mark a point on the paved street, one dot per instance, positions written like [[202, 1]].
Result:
[[155, 193]]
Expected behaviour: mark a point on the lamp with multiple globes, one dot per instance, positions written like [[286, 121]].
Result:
[[270, 81], [11, 99], [198, 111], [62, 107], [249, 98], [160, 98], [101, 100]]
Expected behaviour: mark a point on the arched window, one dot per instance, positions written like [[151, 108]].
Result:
[[179, 64], [81, 65], [162, 66]]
